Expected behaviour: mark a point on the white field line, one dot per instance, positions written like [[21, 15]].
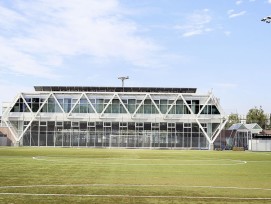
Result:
[[41, 158], [193, 162], [135, 196], [130, 159], [167, 164], [133, 185], [258, 161], [238, 162]]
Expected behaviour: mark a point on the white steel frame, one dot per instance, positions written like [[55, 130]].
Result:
[[192, 117]]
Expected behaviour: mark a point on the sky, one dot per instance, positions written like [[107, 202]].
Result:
[[219, 46]]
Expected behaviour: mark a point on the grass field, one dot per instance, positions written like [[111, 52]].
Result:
[[70, 175]]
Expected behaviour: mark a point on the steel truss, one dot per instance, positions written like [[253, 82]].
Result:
[[198, 118]]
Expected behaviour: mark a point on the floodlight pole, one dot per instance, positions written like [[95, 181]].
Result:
[[122, 80]]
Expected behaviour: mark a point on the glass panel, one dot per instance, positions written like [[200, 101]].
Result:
[[99, 105], [51, 105], [172, 110], [35, 104], [115, 106], [215, 110], [91, 124], [179, 107], [163, 106], [83, 106], [186, 110], [131, 105]]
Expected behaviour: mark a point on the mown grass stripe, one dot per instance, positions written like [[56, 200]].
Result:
[[134, 196], [133, 185]]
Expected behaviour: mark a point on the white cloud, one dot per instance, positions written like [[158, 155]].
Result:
[[227, 33], [238, 2], [9, 17], [229, 12], [20, 62], [192, 33], [196, 24], [269, 1], [233, 14], [44, 32]]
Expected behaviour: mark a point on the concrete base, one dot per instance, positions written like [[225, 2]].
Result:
[[211, 146], [16, 144]]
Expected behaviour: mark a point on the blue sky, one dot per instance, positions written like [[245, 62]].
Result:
[[221, 46]]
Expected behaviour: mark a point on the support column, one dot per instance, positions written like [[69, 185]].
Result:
[[211, 146], [17, 144]]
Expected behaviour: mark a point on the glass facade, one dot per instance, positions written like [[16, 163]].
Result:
[[100, 105], [112, 119], [115, 134]]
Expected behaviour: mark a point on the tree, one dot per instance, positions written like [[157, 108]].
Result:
[[233, 119], [257, 115]]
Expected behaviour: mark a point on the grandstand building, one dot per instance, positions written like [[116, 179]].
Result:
[[114, 117]]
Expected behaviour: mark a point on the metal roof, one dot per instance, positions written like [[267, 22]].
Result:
[[238, 126], [253, 128], [113, 89]]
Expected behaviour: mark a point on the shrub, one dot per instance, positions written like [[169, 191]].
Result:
[[238, 149]]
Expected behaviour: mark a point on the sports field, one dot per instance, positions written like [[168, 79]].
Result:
[[70, 175]]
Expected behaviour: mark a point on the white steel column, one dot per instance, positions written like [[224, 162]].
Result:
[[30, 122]]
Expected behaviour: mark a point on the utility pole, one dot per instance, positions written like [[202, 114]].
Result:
[[122, 80]]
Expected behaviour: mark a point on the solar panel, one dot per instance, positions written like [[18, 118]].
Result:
[[115, 89]]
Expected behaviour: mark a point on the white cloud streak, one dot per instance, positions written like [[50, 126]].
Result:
[[227, 33], [45, 32], [233, 14], [196, 24]]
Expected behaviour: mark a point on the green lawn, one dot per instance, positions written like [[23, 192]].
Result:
[[70, 175]]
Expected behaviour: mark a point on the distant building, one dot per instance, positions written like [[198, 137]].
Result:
[[130, 117], [239, 135], [4, 139], [261, 141], [243, 119]]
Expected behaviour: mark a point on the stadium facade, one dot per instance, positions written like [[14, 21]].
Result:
[[114, 117]]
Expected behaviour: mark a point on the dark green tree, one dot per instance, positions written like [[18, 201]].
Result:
[[257, 115], [233, 118]]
